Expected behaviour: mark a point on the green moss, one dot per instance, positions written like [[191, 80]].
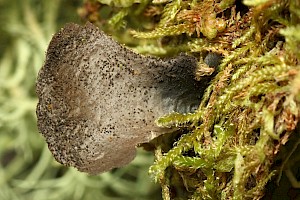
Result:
[[227, 148]]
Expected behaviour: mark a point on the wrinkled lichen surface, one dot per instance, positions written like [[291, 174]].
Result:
[[227, 148]]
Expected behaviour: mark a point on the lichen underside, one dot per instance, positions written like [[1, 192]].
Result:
[[226, 149]]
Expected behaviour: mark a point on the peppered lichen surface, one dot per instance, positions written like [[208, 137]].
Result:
[[232, 145], [98, 100]]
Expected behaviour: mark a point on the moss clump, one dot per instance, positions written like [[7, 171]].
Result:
[[226, 149]]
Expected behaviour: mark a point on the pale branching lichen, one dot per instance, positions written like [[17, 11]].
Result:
[[227, 148]]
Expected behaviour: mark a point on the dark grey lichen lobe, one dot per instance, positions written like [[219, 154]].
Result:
[[98, 100], [213, 59]]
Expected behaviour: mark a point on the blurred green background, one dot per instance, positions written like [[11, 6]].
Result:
[[27, 169]]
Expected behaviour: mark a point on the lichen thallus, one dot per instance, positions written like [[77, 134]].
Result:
[[99, 100]]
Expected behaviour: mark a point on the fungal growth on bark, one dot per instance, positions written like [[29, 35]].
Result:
[[99, 100]]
